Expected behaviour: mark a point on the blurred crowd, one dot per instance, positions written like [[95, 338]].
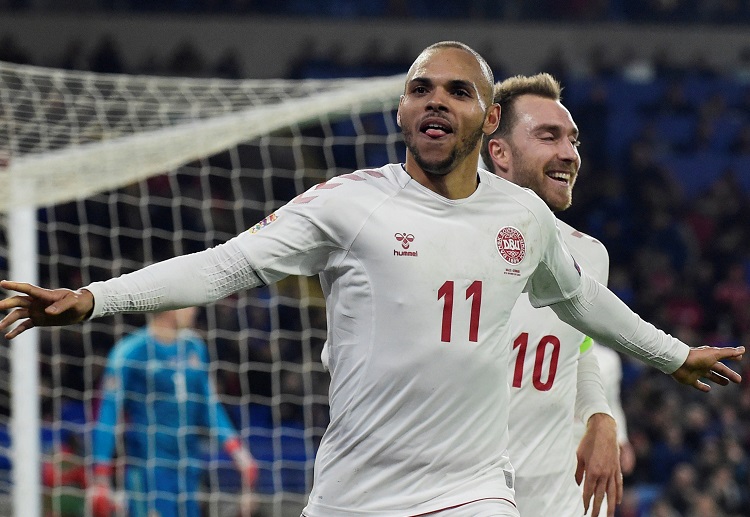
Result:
[[665, 185], [660, 11]]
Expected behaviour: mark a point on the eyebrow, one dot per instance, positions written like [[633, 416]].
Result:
[[554, 128], [453, 84]]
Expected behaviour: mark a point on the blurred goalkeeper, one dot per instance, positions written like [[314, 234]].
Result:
[[157, 380]]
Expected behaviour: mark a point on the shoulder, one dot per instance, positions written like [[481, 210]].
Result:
[[338, 206], [131, 346], [195, 342], [191, 336], [588, 251], [523, 197], [521, 207], [363, 184]]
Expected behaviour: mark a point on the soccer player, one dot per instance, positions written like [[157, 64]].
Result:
[[421, 264], [156, 381], [553, 366]]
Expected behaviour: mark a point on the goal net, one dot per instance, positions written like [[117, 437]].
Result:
[[122, 171]]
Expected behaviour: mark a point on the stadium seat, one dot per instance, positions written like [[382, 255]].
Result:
[[676, 130], [725, 130], [623, 126], [624, 94], [695, 172]]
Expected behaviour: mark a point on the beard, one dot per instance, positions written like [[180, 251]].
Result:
[[446, 165], [527, 175]]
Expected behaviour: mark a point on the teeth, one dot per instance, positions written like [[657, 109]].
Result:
[[559, 176]]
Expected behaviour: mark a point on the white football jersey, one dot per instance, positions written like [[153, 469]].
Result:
[[543, 373], [419, 291]]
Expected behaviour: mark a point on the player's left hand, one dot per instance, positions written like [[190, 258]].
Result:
[[598, 467], [704, 362]]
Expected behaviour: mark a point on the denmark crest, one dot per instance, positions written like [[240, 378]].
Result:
[[511, 245]]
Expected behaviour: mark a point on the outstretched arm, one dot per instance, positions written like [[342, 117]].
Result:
[[597, 312], [195, 279]]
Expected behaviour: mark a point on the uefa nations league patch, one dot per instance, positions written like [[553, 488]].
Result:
[[511, 245], [262, 224]]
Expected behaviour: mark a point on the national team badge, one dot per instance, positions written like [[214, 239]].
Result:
[[511, 245]]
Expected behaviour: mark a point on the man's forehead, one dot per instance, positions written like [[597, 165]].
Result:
[[536, 110], [444, 55]]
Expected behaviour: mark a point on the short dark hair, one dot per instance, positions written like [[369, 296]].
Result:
[[505, 94], [486, 69]]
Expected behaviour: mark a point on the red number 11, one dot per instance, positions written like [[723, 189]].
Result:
[[474, 291]]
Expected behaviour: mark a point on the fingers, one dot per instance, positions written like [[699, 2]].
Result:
[[705, 362], [19, 329], [614, 493], [593, 492], [718, 379], [12, 318], [29, 289], [726, 373], [15, 301], [701, 386], [730, 353], [580, 469], [598, 498], [587, 494]]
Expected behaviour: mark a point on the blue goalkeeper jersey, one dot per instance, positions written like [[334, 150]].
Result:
[[163, 396]]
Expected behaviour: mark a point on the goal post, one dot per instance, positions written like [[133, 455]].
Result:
[[102, 174]]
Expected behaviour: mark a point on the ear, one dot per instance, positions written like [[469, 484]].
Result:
[[398, 112], [491, 120], [500, 154]]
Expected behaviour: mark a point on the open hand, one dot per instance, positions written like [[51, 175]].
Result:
[[39, 307], [704, 362]]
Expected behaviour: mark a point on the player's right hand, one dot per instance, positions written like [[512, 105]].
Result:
[[39, 307]]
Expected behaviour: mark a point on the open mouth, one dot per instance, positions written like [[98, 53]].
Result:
[[435, 128], [560, 176]]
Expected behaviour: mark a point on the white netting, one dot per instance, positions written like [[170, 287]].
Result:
[[91, 152]]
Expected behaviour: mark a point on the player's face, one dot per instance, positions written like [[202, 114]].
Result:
[[443, 110], [544, 150]]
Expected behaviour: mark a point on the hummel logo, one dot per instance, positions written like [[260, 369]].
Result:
[[404, 239]]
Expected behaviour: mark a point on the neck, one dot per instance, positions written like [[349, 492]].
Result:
[[459, 183], [163, 334]]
